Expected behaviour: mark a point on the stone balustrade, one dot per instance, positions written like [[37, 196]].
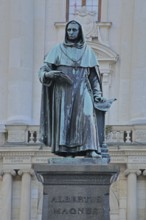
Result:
[[29, 134], [19, 134], [126, 134]]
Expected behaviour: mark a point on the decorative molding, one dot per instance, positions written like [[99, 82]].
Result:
[[17, 160], [137, 159], [127, 153], [16, 153], [24, 156], [104, 53], [87, 20], [136, 166], [118, 159], [24, 151]]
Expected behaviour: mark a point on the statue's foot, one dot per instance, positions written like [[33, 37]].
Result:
[[93, 154]]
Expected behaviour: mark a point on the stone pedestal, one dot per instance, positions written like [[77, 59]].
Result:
[[75, 189]]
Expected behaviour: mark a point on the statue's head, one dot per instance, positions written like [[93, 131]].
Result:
[[73, 32]]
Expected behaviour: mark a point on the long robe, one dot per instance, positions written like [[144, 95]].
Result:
[[68, 119], [68, 122]]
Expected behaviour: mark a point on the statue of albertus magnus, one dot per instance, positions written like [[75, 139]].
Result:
[[70, 86]]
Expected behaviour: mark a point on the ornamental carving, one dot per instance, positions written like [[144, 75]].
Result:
[[87, 20]]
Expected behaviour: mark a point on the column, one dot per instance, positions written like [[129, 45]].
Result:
[[20, 66], [7, 194], [25, 205], [132, 193]]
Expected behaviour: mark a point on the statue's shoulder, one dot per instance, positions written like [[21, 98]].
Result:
[[89, 49], [90, 52], [55, 49], [53, 53]]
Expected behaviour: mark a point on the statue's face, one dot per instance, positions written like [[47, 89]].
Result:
[[73, 31]]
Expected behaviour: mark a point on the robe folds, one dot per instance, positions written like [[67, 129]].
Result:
[[68, 122]]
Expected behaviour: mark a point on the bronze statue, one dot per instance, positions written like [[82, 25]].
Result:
[[71, 89]]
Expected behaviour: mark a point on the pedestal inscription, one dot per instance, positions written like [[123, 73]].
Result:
[[78, 202], [74, 192]]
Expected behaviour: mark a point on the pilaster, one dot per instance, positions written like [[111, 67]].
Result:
[[20, 66]]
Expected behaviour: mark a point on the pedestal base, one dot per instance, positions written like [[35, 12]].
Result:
[[75, 189]]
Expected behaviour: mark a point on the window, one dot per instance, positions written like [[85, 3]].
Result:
[[91, 5]]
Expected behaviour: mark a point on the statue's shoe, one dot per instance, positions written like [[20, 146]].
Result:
[[93, 154]]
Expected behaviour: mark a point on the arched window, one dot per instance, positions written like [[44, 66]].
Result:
[[91, 5]]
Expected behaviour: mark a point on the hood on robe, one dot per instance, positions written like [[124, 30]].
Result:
[[60, 54], [80, 41]]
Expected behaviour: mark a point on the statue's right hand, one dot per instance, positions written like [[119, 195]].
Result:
[[53, 74]]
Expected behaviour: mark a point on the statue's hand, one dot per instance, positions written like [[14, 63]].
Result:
[[99, 99], [52, 74], [58, 76]]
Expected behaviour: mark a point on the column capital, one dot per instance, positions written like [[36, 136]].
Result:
[[8, 171], [28, 171], [132, 171]]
